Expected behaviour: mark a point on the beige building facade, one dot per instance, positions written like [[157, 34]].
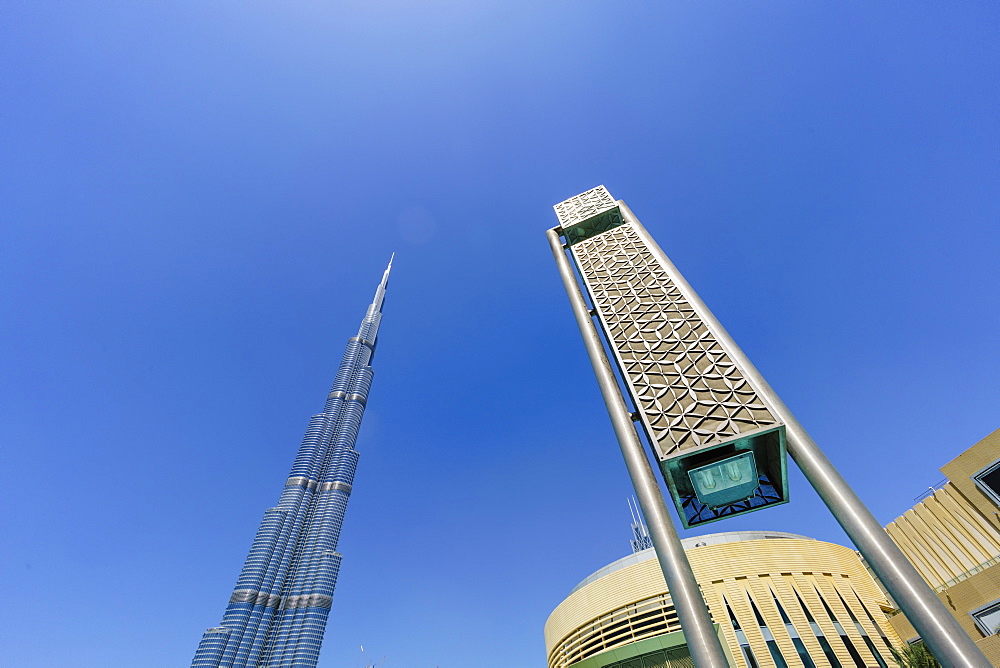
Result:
[[953, 539], [777, 600]]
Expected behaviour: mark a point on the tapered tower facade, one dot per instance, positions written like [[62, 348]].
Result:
[[277, 613]]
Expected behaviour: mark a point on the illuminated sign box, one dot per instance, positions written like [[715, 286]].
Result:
[[739, 476]]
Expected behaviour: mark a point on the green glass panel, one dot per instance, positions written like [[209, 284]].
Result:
[[596, 225], [713, 483]]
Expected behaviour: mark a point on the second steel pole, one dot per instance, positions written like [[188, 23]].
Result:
[[696, 622]]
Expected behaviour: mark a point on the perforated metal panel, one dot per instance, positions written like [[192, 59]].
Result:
[[688, 390], [690, 395]]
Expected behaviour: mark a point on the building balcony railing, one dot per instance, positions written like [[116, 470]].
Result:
[[968, 574]]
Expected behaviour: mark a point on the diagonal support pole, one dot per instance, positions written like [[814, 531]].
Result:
[[696, 622]]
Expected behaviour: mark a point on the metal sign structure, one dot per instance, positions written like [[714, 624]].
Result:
[[719, 431], [720, 445]]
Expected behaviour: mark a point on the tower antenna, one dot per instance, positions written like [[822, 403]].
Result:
[[641, 539]]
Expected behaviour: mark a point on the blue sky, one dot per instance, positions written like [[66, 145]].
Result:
[[198, 199]]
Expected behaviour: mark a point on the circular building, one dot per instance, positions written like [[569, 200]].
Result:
[[777, 599]]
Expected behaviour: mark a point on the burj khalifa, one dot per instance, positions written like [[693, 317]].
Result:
[[277, 613]]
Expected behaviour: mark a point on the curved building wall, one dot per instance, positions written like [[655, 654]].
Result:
[[777, 598]]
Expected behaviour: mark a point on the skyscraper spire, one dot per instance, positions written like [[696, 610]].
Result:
[[277, 613], [376, 305]]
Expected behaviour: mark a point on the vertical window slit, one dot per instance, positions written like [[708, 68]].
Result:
[[861, 630], [820, 636], [741, 637], [772, 646], [800, 647], [851, 649]]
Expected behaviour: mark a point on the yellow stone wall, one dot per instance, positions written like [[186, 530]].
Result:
[[953, 539], [960, 470], [945, 536], [967, 595]]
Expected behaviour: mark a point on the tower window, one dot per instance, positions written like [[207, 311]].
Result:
[[988, 481], [987, 618]]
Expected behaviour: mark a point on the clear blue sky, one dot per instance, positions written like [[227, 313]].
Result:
[[198, 199]]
